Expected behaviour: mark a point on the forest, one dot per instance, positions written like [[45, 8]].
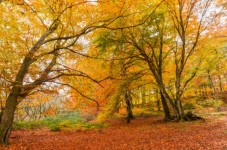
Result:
[[113, 74]]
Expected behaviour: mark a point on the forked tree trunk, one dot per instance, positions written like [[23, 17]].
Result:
[[178, 110]]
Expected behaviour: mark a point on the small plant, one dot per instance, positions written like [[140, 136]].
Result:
[[54, 128], [189, 106], [211, 103], [27, 125], [69, 120]]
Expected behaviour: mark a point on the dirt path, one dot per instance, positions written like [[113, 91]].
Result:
[[141, 134]]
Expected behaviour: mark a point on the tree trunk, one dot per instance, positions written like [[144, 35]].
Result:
[[220, 83], [158, 105], [7, 118], [176, 111], [181, 110], [211, 83], [225, 76], [165, 108], [128, 106]]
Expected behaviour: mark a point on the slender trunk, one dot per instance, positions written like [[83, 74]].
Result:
[[128, 106], [211, 83], [219, 76], [220, 83]]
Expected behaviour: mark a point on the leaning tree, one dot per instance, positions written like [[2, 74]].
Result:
[[39, 41]]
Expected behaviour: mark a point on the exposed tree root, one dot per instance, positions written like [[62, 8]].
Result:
[[189, 116]]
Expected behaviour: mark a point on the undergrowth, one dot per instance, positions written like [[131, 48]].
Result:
[[66, 121]]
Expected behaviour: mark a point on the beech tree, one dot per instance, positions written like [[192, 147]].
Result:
[[45, 37], [169, 42]]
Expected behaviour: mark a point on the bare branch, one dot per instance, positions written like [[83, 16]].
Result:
[[68, 85]]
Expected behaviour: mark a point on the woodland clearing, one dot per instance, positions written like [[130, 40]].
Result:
[[113, 74], [142, 133]]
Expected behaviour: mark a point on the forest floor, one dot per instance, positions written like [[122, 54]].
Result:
[[142, 133]]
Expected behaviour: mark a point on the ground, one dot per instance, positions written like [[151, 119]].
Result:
[[141, 134]]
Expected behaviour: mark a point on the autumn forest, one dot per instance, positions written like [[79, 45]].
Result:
[[113, 74]]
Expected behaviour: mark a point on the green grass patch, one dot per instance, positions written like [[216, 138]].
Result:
[[66, 121], [28, 125], [211, 103], [145, 112]]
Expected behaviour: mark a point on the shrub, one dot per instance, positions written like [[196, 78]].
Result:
[[87, 126], [189, 106], [211, 103], [54, 128], [69, 120], [27, 125]]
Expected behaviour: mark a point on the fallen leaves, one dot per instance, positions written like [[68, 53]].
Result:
[[146, 133]]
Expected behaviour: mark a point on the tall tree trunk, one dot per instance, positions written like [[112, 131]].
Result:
[[128, 106], [211, 83], [220, 83]]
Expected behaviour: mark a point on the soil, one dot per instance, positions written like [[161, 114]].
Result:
[[141, 134]]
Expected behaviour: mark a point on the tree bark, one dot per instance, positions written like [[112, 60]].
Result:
[[7, 118], [220, 83], [11, 102], [211, 83], [128, 106], [165, 108]]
